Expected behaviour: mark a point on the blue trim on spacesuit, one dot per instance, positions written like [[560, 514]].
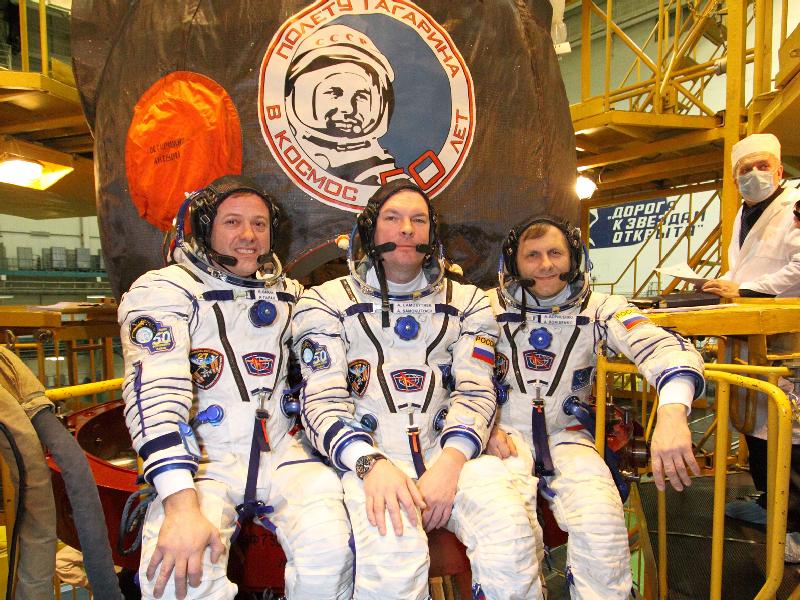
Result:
[[361, 307], [669, 374], [163, 442], [465, 432], [289, 463], [187, 462], [329, 435], [137, 386], [344, 442]]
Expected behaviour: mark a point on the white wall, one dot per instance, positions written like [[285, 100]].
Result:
[[76, 232]]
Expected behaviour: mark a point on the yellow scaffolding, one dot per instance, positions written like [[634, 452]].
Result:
[[654, 132]]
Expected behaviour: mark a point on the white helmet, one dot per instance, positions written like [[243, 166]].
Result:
[[340, 56]]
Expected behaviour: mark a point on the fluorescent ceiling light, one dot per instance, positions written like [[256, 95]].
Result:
[[30, 165], [20, 171], [34, 174]]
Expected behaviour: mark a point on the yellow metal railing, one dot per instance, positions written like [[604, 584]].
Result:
[[779, 423], [23, 36]]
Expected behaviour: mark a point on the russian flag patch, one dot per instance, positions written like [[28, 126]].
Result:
[[484, 349], [630, 318]]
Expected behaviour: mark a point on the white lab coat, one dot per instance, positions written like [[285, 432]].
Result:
[[769, 259], [769, 262]]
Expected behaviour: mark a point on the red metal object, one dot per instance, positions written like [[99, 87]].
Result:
[[256, 559]]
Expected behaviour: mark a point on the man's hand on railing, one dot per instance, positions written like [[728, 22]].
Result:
[[671, 450]]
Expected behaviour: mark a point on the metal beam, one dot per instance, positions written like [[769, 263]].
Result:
[[638, 119], [585, 144], [641, 134], [734, 110], [11, 96], [19, 80], [74, 147], [71, 121], [673, 144], [663, 169], [614, 198]]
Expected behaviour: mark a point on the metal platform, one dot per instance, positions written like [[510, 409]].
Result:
[[689, 517]]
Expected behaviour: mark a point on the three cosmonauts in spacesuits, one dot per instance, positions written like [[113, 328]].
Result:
[[398, 364], [206, 347]]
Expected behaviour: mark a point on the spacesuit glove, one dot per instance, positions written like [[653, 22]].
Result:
[[671, 448], [184, 536], [387, 488], [438, 485], [500, 444]]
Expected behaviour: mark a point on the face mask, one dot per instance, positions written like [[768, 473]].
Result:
[[757, 186]]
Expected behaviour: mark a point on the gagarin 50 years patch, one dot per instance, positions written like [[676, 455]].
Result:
[[343, 89], [314, 355], [148, 333]]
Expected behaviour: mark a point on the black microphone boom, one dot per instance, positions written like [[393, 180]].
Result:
[[223, 259], [387, 247]]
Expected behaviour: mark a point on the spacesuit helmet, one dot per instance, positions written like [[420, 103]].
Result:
[[200, 209], [577, 277], [363, 253], [361, 71]]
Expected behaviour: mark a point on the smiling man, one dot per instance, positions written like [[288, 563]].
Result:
[[206, 347], [339, 101], [551, 325], [398, 359]]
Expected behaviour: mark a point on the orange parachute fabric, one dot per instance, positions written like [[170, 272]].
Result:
[[185, 132]]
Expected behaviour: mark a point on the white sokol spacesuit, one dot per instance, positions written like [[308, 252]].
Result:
[[204, 351], [422, 383], [546, 353]]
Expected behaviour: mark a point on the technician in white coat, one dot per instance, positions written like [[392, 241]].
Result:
[[764, 261], [764, 254]]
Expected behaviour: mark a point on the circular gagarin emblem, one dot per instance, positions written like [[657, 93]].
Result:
[[352, 95]]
